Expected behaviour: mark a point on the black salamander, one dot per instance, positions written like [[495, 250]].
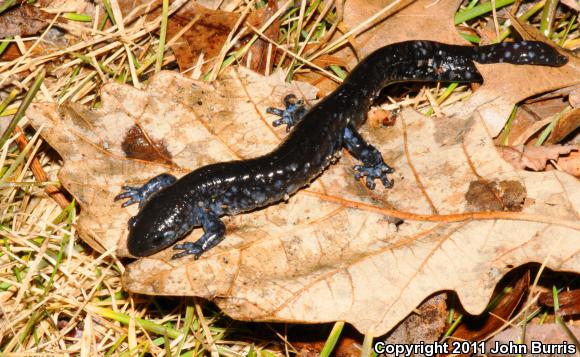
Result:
[[170, 208]]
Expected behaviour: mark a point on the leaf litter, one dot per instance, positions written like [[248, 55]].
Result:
[[209, 34], [207, 30], [535, 157], [283, 263]]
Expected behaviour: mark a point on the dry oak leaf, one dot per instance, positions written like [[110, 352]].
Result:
[[331, 252], [568, 301], [174, 125], [480, 327], [534, 157], [331, 244], [425, 323], [567, 124], [210, 32], [570, 163], [23, 20], [574, 97], [210, 28], [531, 118], [504, 85]]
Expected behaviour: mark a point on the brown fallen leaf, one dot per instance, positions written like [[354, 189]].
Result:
[[525, 134], [569, 302], [530, 118], [534, 157], [504, 85], [331, 242], [425, 323], [525, 30], [479, 327], [567, 124], [23, 20], [12, 52], [138, 141], [324, 85], [208, 35], [27, 20], [570, 163], [574, 97], [211, 28]]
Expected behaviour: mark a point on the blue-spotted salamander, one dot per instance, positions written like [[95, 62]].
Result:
[[170, 208]]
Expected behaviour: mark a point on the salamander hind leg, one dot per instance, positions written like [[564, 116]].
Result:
[[140, 195], [374, 167], [214, 231], [291, 115]]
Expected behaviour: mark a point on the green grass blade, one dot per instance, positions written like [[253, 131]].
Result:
[[332, 339], [4, 44], [548, 130], [73, 16], [508, 126], [6, 5], [146, 324], [23, 106], [547, 22], [162, 36], [476, 11], [6, 102]]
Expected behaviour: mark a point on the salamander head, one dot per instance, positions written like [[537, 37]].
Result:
[[159, 224]]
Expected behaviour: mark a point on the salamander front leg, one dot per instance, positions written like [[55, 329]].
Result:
[[374, 167], [214, 231], [140, 195], [291, 115]]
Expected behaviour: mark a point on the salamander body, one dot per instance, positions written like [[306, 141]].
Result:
[[170, 208]]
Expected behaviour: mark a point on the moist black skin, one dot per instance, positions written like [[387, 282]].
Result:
[[170, 208]]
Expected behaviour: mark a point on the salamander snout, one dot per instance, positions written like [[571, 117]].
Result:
[[156, 228], [144, 242]]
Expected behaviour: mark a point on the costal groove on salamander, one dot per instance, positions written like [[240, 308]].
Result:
[[171, 208]]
